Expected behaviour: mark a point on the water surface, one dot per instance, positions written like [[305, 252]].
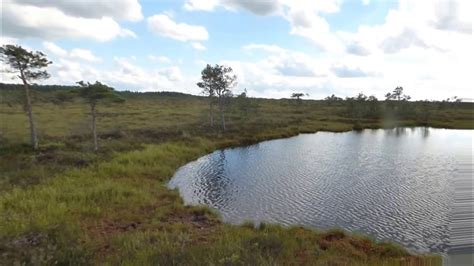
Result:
[[408, 185]]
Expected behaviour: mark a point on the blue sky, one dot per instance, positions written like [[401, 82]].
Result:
[[275, 47]]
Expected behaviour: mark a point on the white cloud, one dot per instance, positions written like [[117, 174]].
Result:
[[198, 46], [344, 71], [306, 21], [454, 16], [126, 33], [163, 25], [426, 62], [117, 9], [265, 7], [132, 77], [48, 22], [76, 53], [7, 40], [264, 47], [53, 48], [161, 59], [202, 5], [171, 73], [84, 55], [67, 71], [288, 63], [416, 24], [406, 39], [421, 45], [255, 7], [424, 46], [123, 75], [328, 6], [281, 72], [357, 49], [303, 16]]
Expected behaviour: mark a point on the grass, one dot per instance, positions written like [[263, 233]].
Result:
[[67, 205]]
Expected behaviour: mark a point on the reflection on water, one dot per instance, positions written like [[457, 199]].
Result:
[[406, 185]]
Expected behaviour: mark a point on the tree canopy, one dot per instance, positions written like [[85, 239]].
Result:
[[217, 80], [397, 94], [29, 63], [333, 98], [95, 92], [297, 95]]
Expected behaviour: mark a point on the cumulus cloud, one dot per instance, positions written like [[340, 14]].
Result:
[[343, 71], [422, 45], [171, 73], [53, 48], [449, 16], [163, 25], [66, 71], [264, 47], [49, 21], [198, 46], [285, 62], [407, 38], [255, 7], [76, 53], [161, 59], [296, 66], [201, 5], [84, 55], [422, 24], [295, 69], [133, 77], [329, 6], [123, 75], [306, 20], [117, 9], [357, 49], [304, 16], [7, 40], [280, 72]]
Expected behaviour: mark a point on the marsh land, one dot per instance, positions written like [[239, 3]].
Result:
[[68, 204]]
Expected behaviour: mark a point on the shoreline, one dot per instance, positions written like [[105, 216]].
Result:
[[230, 147]]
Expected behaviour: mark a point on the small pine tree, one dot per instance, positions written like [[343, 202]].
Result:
[[93, 93], [30, 66], [217, 81]]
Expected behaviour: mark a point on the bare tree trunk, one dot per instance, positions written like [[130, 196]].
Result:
[[94, 129], [221, 107], [29, 111], [210, 112]]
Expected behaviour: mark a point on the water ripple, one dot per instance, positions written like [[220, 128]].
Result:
[[409, 187]]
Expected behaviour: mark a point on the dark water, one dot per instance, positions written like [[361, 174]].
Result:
[[408, 185]]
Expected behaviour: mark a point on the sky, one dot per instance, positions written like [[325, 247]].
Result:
[[277, 47]]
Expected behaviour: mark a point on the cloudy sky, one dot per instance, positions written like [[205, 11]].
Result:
[[275, 47]]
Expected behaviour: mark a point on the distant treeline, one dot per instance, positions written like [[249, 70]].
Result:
[[12, 88], [7, 90]]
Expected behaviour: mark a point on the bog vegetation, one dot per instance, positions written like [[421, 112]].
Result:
[[91, 188]]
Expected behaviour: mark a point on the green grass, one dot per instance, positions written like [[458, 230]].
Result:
[[65, 204]]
